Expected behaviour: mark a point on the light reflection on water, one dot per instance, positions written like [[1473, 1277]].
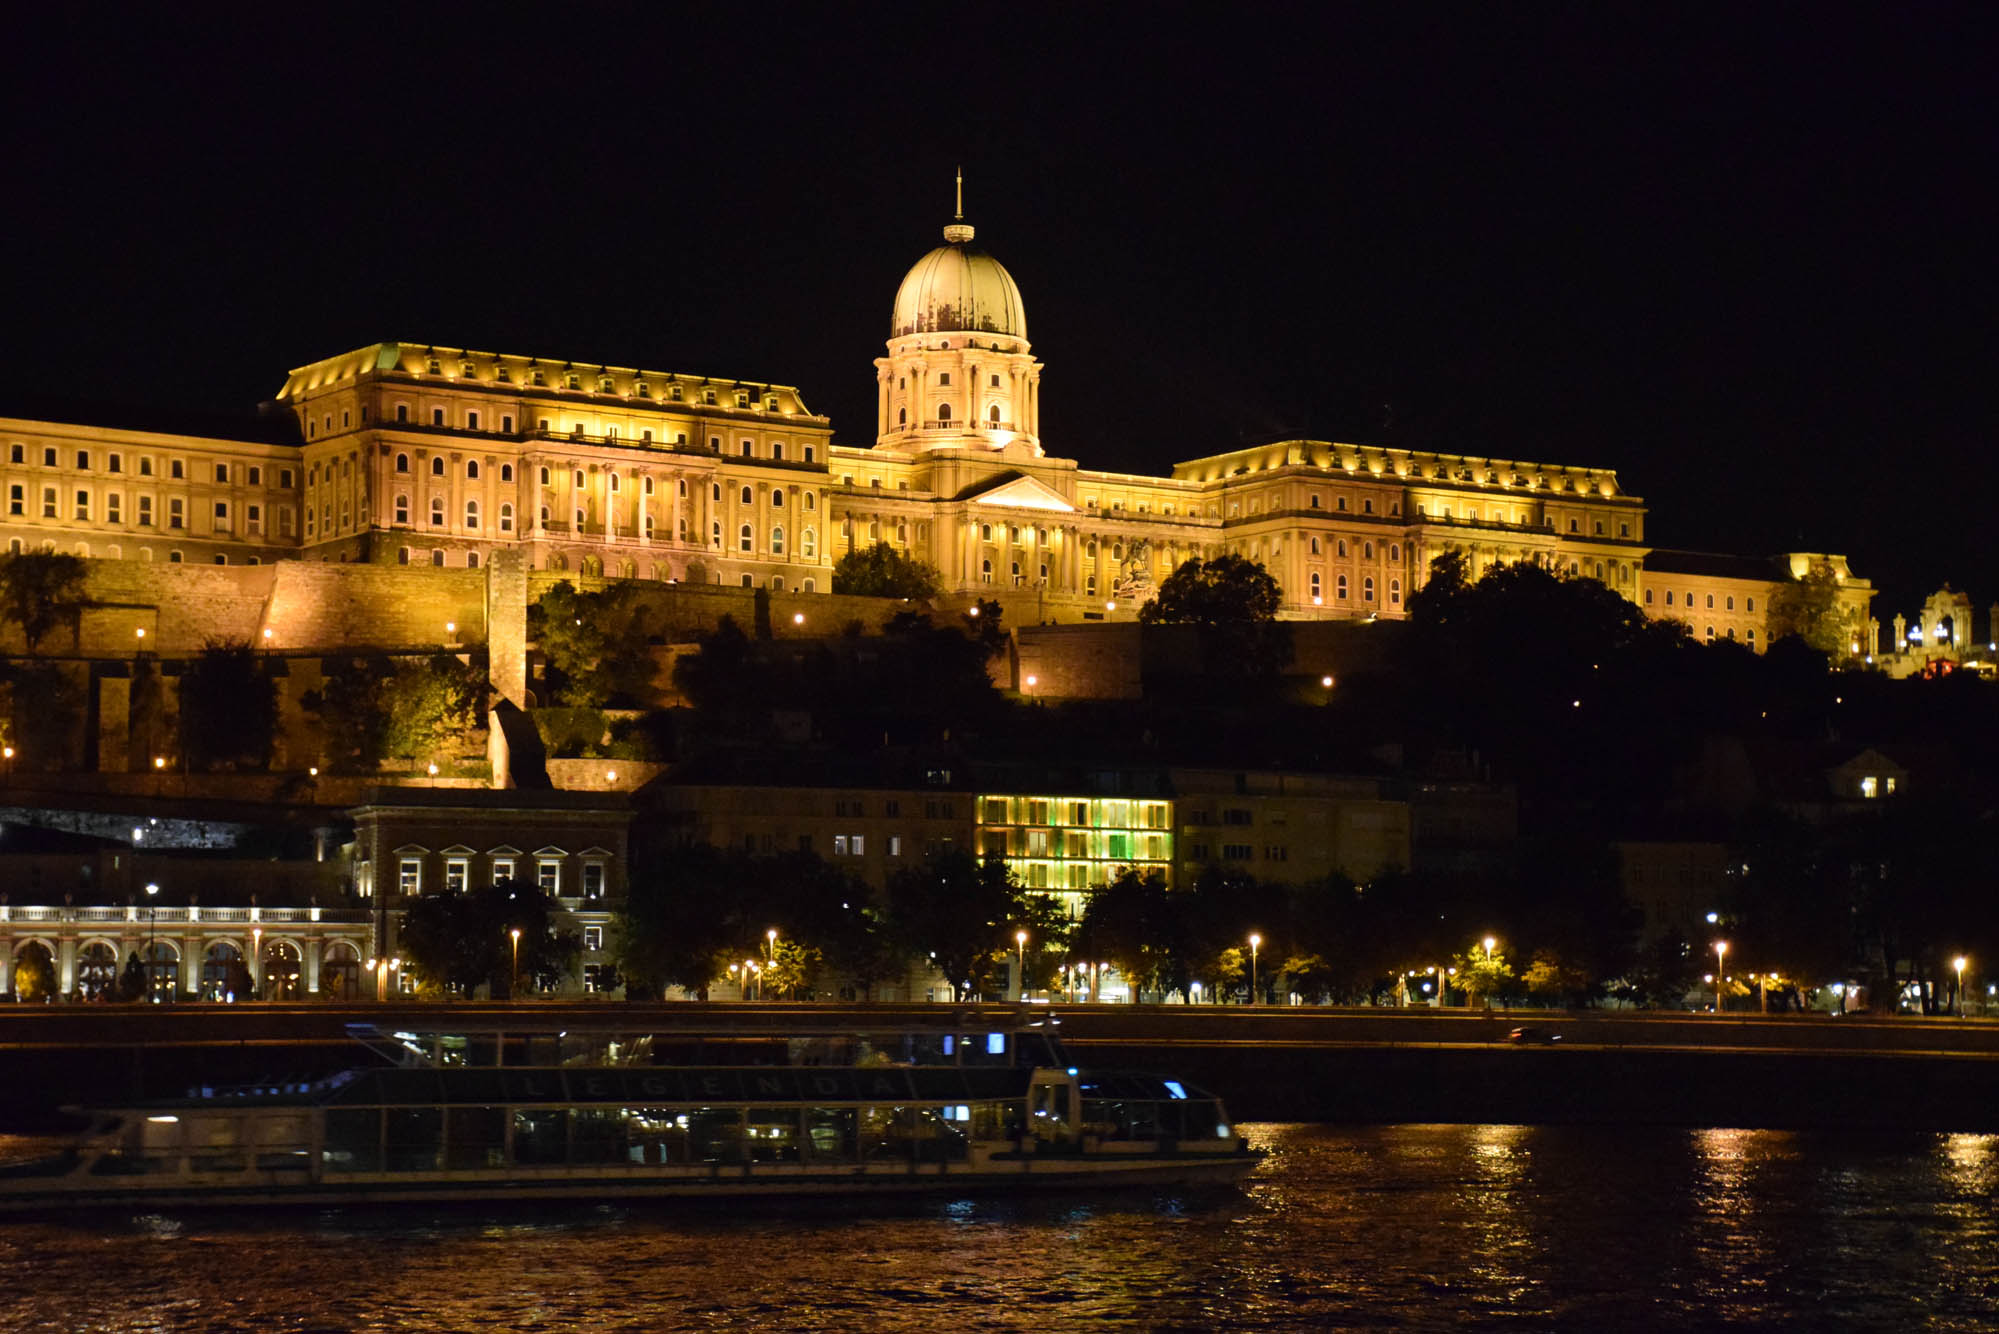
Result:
[[1410, 1227]]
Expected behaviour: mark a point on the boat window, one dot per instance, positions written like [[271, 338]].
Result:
[[995, 1044], [353, 1140], [413, 1138], [541, 1135], [475, 1137]]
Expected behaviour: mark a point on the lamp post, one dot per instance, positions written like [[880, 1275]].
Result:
[[1020, 963], [153, 937], [514, 976], [1255, 943], [1720, 954], [257, 963], [1957, 965]]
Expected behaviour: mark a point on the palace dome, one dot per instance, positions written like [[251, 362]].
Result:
[[958, 288]]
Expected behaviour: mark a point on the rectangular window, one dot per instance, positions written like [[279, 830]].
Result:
[[593, 937], [895, 845], [256, 476], [593, 880], [471, 421], [503, 869], [83, 506], [145, 511], [437, 416], [222, 472], [507, 425], [221, 516], [17, 500], [456, 870], [255, 519], [285, 478], [117, 463], [83, 460], [175, 516], [175, 470], [113, 508], [410, 879], [548, 876], [48, 502]]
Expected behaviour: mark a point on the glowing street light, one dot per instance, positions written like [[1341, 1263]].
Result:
[[1720, 956], [1957, 965], [1255, 943], [1489, 943], [514, 978], [1020, 963]]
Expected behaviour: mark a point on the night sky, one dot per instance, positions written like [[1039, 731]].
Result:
[[1741, 254]]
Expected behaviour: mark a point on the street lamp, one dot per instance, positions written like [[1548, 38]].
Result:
[[1489, 943], [1255, 943], [514, 978], [257, 962], [1720, 955], [153, 938], [1958, 965], [1020, 963]]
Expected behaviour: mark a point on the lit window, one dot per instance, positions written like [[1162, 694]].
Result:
[[409, 878]]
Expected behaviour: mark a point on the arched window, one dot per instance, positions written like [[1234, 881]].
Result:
[[402, 510], [1090, 585], [902, 534], [506, 518], [437, 512], [1017, 581], [472, 470], [1731, 602], [1314, 580], [1367, 589], [1394, 592], [985, 571], [943, 412], [1340, 587], [1367, 551], [902, 416], [1315, 546], [1090, 549], [471, 514], [875, 531], [777, 540], [744, 540], [809, 544], [748, 496], [544, 516], [811, 501], [985, 532], [648, 486], [614, 483], [578, 516], [544, 477], [1340, 549], [1394, 553], [506, 472], [437, 466], [777, 500], [648, 525], [715, 536], [402, 463]]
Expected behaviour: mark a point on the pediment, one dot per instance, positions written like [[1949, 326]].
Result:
[[1022, 493]]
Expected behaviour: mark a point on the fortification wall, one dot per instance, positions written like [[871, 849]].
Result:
[[685, 612], [314, 605]]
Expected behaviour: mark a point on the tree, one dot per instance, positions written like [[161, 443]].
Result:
[[1482, 973], [34, 974], [44, 704], [40, 590], [598, 646], [960, 912], [457, 941], [880, 571], [132, 982], [378, 708], [228, 709], [1233, 602], [1808, 606]]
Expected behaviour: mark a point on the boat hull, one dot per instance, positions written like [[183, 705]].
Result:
[[762, 1181]]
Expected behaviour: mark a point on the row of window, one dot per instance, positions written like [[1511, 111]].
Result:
[[458, 875], [605, 384], [84, 509], [1688, 600], [747, 448], [226, 474], [1316, 590], [116, 552]]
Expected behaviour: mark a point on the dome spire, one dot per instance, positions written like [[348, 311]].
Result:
[[960, 231]]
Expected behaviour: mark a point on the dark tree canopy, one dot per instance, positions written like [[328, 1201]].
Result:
[[228, 709], [458, 941], [377, 709], [880, 571], [40, 590], [1226, 590], [1233, 603], [598, 646], [1808, 607]]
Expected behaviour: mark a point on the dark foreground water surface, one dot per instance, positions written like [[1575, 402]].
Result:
[[1398, 1227]]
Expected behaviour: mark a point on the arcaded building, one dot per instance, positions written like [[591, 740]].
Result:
[[423, 455]]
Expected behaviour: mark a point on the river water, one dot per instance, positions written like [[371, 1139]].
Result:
[[1392, 1227]]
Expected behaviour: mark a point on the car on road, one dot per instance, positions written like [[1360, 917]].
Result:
[[1527, 1034]]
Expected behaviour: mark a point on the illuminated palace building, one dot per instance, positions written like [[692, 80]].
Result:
[[429, 455]]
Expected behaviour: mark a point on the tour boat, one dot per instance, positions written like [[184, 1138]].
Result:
[[591, 1117]]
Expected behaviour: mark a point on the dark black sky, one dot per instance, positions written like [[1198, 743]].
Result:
[[1742, 254]]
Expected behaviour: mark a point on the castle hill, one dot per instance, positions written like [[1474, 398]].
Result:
[[491, 679]]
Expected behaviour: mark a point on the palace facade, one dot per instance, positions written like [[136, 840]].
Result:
[[413, 454]]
